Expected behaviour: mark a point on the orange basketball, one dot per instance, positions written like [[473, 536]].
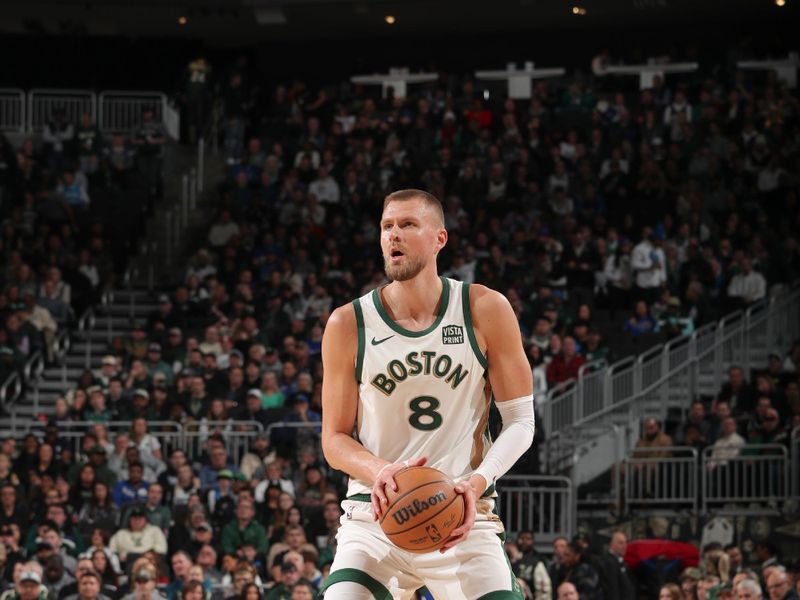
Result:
[[423, 511]]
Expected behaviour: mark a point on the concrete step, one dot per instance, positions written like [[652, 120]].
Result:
[[79, 360], [55, 385], [120, 309], [103, 323], [54, 374]]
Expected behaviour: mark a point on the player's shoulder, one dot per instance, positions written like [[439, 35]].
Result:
[[485, 300], [342, 319]]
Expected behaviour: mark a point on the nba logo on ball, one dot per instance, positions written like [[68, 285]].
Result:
[[452, 334]]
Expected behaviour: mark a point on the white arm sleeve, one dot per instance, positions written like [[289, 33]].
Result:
[[515, 438]]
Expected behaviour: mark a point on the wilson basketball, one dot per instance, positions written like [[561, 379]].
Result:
[[423, 511]]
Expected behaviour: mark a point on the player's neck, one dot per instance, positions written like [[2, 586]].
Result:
[[415, 298]]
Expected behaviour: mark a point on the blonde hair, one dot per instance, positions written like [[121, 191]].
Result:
[[675, 592], [413, 194]]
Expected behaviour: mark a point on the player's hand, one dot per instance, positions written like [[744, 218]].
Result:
[[386, 477], [472, 490]]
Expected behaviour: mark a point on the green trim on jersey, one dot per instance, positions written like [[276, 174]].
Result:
[[473, 341], [377, 589], [361, 340], [445, 298]]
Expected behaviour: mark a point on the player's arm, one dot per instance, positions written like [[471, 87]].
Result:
[[340, 408], [511, 378]]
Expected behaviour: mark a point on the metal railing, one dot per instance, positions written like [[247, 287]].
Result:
[[542, 504], [111, 110], [669, 375], [756, 474], [12, 110], [795, 456], [122, 110], [43, 102], [238, 436], [10, 390], [662, 477]]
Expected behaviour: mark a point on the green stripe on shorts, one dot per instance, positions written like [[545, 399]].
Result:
[[376, 588], [359, 498]]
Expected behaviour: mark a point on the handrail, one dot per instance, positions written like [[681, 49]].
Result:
[[592, 366], [34, 362], [5, 399]]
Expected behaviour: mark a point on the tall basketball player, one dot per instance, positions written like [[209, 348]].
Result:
[[406, 368]]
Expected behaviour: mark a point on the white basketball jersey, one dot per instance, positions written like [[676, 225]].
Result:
[[422, 393]]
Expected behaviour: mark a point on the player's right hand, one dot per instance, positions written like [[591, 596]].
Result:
[[384, 477]]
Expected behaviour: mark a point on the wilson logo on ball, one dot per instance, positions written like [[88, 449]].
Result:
[[417, 507]]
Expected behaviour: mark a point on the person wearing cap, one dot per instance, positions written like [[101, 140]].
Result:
[[254, 463], [138, 407], [290, 573], [139, 537], [143, 583], [108, 370], [672, 322], [221, 498], [252, 409], [28, 584], [689, 579], [154, 364]]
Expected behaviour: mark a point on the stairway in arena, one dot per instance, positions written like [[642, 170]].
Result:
[[88, 344]]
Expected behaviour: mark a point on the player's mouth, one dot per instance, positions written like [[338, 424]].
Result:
[[396, 256]]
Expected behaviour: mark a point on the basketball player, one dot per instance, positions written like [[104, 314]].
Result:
[[406, 368]]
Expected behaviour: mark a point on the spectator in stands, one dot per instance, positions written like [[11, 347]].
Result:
[[697, 418], [566, 364], [134, 489], [149, 139], [139, 537], [218, 460], [144, 584], [580, 573], [779, 586], [654, 437], [244, 530], [614, 577], [747, 286], [641, 322], [727, 446], [748, 590], [649, 265], [568, 591], [28, 584], [57, 137], [738, 393], [670, 592]]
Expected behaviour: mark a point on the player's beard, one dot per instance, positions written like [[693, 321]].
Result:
[[408, 269]]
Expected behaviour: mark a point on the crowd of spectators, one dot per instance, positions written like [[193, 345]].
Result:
[[577, 571], [748, 411], [59, 249], [609, 220]]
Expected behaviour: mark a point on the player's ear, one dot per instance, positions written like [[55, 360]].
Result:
[[441, 239]]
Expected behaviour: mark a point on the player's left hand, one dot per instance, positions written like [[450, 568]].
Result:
[[472, 490]]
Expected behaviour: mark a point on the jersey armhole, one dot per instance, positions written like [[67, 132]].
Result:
[[473, 341], [360, 327]]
